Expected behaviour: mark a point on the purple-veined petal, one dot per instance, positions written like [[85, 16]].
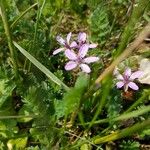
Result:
[[89, 60], [119, 77], [93, 45], [83, 50], [73, 44], [70, 65], [70, 54], [85, 68], [137, 74], [127, 72], [68, 37], [60, 40], [82, 37], [120, 84], [58, 51], [133, 86]]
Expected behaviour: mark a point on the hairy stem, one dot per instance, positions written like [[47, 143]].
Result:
[[9, 38], [123, 133], [123, 116], [22, 14]]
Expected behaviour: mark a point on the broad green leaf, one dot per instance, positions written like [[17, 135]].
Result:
[[72, 98], [86, 147], [19, 143], [40, 66], [2, 146], [8, 128]]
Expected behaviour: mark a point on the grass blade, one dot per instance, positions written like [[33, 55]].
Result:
[[122, 133], [41, 67]]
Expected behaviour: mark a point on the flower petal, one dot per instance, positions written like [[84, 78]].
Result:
[[60, 40], [120, 84], [73, 44], [93, 45], [68, 37], [127, 72], [89, 60], [133, 86], [70, 65], [137, 74], [82, 37], [119, 77], [116, 72], [70, 55], [58, 51], [83, 50], [85, 68]]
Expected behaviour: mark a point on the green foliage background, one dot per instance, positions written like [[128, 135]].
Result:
[[35, 113]]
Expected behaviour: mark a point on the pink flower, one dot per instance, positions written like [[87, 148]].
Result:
[[65, 43], [78, 60], [126, 80], [82, 41]]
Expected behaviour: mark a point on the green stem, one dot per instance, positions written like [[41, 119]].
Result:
[[77, 112], [17, 117], [9, 38], [40, 9], [132, 114], [22, 14], [123, 133], [128, 31], [105, 93]]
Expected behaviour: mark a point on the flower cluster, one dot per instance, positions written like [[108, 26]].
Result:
[[127, 78], [76, 51]]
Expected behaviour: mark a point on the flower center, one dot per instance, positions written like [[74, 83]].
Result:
[[67, 46], [126, 79], [79, 60]]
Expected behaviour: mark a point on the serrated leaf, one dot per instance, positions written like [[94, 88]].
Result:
[[37, 99], [99, 23], [114, 104], [5, 90], [131, 145]]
